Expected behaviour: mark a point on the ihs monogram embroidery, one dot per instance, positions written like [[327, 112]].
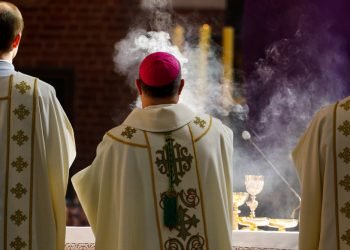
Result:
[[183, 160], [19, 190], [198, 121], [18, 217], [21, 112], [22, 87], [128, 132], [345, 183], [20, 138]]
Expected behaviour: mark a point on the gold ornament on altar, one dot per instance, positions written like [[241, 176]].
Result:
[[239, 198]]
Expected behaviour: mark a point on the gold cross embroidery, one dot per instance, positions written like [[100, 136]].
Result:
[[20, 137], [21, 112], [22, 87], [345, 183], [18, 217], [128, 132], [346, 105], [19, 190], [198, 121], [19, 164], [346, 237], [346, 210], [345, 155], [18, 243]]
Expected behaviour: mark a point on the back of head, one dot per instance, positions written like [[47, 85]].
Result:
[[160, 75], [11, 24]]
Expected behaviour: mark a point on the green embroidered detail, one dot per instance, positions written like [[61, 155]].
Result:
[[128, 132], [21, 112], [346, 210], [22, 87], [198, 121], [18, 217], [19, 190], [20, 137], [345, 155], [185, 223], [345, 183], [18, 243], [346, 237], [182, 160], [19, 164]]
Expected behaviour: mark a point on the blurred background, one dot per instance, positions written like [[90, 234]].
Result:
[[281, 61]]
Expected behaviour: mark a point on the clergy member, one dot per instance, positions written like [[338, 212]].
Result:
[[36, 149], [322, 159], [162, 179]]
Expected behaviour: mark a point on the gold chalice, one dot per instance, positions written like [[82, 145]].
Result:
[[254, 185], [282, 224], [239, 198]]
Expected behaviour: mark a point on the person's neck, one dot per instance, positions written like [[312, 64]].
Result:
[[146, 102], [6, 56]]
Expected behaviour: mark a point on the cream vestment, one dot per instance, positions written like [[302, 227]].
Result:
[[123, 191], [36, 149], [322, 159]]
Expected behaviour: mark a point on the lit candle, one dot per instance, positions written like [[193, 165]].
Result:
[[204, 45], [227, 61], [178, 36], [228, 52]]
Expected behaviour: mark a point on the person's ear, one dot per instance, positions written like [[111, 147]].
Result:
[[182, 84], [138, 86], [16, 41]]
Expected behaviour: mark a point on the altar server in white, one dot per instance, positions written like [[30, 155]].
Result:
[[36, 149], [162, 179], [322, 159]]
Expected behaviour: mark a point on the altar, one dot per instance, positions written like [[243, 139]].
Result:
[[82, 238]]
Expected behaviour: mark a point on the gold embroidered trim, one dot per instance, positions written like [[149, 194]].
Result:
[[346, 105], [205, 132], [336, 172], [125, 142], [18, 217], [128, 132], [22, 87], [7, 158], [199, 180], [200, 122], [19, 190], [154, 190], [345, 155], [32, 163], [21, 112]]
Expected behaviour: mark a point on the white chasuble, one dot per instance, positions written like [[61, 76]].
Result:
[[124, 190], [37, 148], [322, 159], [342, 171]]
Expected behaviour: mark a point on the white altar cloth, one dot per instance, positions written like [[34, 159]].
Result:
[[82, 238]]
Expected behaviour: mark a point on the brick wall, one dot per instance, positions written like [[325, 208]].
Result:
[[79, 37]]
